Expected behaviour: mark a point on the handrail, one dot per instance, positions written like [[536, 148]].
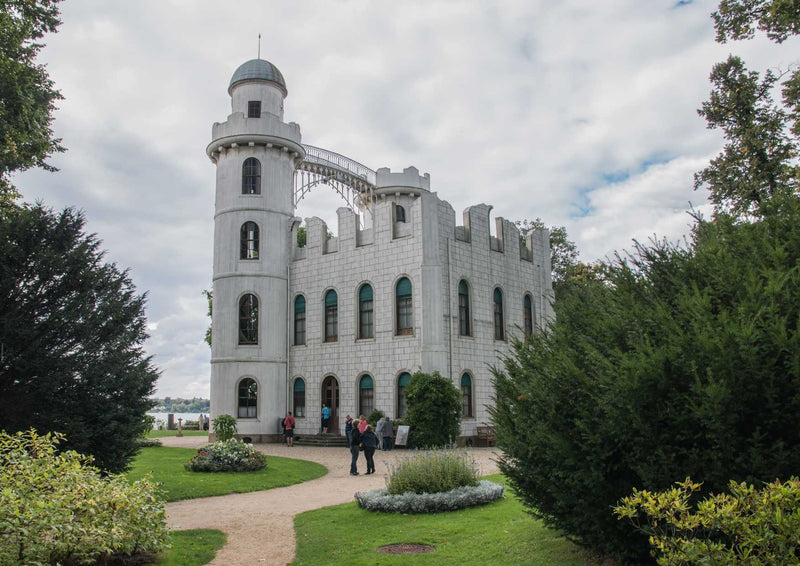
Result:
[[319, 156]]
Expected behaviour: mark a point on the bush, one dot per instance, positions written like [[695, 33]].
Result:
[[227, 456], [749, 526], [374, 417], [432, 472], [458, 498], [434, 410], [683, 362], [55, 508], [224, 427]]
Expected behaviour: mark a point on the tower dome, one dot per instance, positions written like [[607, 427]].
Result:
[[257, 70]]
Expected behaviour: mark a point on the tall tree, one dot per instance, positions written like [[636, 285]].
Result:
[[71, 335], [563, 251], [27, 95]]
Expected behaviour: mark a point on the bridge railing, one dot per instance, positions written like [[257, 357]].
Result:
[[320, 156]]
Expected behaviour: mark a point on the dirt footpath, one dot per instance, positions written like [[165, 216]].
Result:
[[260, 524]]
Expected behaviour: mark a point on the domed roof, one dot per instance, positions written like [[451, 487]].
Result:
[[257, 69]]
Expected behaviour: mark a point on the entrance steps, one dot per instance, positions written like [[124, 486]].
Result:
[[321, 440]]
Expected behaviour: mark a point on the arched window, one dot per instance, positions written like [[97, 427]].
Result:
[[299, 320], [299, 399], [399, 213], [248, 399], [527, 315], [405, 310], [248, 238], [251, 176], [463, 309], [402, 382], [466, 395], [499, 325], [331, 316], [248, 319], [366, 395], [366, 325]]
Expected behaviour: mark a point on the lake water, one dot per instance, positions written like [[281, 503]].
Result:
[[184, 416]]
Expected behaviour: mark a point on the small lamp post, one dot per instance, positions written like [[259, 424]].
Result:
[[180, 430]]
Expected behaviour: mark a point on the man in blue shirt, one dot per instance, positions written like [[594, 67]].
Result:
[[326, 414]]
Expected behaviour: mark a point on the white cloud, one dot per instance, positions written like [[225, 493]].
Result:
[[535, 107]]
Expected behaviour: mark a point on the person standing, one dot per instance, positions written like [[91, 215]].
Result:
[[326, 415], [370, 442], [355, 441], [348, 426], [288, 429], [388, 430], [362, 424], [379, 432]]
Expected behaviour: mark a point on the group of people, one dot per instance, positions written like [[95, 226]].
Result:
[[361, 437]]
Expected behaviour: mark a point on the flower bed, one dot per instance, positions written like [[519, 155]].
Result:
[[459, 498], [227, 456]]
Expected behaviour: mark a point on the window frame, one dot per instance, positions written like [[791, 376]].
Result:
[[400, 213], [404, 309], [252, 317], [499, 316], [296, 395], [527, 315], [366, 401], [254, 109], [331, 317], [251, 176], [464, 316], [249, 242], [251, 398], [366, 313], [297, 340], [467, 397], [401, 405]]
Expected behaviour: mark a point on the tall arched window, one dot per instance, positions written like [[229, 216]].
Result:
[[499, 325], [299, 320], [466, 395], [366, 395], [366, 324], [248, 399], [405, 310], [527, 315], [251, 176], [299, 398], [248, 238], [248, 319], [402, 382], [331, 316], [463, 309]]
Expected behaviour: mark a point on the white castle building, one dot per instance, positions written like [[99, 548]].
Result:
[[346, 320]]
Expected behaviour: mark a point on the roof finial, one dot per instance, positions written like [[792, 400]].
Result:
[[259, 46]]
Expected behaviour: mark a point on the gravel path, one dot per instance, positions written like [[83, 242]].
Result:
[[260, 524]]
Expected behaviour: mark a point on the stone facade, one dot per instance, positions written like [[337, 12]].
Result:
[[410, 236]]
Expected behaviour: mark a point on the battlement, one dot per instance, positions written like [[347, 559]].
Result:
[[408, 179]]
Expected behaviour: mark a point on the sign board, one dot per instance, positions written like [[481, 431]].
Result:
[[402, 435]]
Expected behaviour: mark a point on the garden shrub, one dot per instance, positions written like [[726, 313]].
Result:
[[374, 417], [458, 498], [747, 526], [224, 427], [56, 508], [227, 456], [432, 472], [434, 410]]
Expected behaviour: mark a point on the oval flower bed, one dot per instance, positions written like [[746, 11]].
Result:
[[227, 456], [458, 498]]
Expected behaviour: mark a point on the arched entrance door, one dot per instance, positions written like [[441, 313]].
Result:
[[330, 396]]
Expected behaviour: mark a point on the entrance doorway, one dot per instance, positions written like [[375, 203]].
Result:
[[330, 396]]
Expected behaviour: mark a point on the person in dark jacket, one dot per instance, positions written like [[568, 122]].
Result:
[[388, 430], [355, 440], [370, 442], [348, 426]]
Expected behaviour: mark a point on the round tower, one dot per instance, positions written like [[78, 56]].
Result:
[[256, 154]]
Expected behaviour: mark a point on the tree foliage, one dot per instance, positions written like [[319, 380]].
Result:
[[27, 95], [434, 410], [71, 329], [563, 251]]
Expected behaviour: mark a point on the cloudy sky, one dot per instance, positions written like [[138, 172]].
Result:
[[580, 112]]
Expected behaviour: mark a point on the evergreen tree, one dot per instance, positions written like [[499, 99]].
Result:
[[71, 330], [434, 410], [27, 95]]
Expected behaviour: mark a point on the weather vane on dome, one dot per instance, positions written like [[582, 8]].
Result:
[[259, 46]]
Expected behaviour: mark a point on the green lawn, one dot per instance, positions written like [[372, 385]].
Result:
[[498, 533], [193, 548], [163, 433], [166, 466]]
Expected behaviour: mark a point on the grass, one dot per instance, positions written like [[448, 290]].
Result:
[[498, 533], [166, 466], [163, 433], [193, 547]]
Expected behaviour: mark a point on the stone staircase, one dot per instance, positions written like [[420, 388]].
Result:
[[320, 440]]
